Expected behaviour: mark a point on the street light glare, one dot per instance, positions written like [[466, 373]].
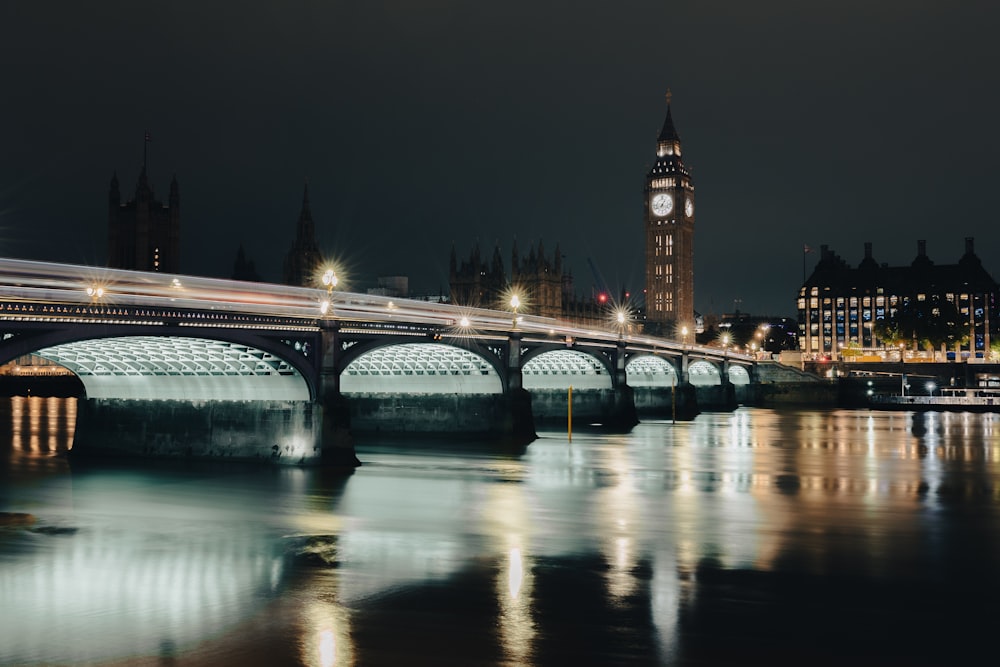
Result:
[[330, 278]]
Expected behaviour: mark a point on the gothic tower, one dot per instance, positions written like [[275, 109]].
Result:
[[143, 233], [304, 259], [669, 203]]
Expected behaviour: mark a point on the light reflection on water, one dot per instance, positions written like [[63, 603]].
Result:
[[608, 549]]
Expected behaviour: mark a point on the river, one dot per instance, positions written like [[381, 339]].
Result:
[[763, 537]]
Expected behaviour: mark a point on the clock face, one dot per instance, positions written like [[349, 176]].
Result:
[[662, 204], [689, 207]]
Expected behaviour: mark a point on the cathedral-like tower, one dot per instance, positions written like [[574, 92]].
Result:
[[143, 233], [669, 203], [304, 259]]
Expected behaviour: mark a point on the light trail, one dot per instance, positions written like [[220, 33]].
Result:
[[52, 283]]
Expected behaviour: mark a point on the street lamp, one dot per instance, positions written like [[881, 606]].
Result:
[[684, 335], [620, 318], [329, 280], [515, 303], [930, 388]]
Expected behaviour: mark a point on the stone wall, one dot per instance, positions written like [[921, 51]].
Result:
[[277, 432]]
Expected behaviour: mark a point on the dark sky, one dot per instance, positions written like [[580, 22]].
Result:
[[419, 124]]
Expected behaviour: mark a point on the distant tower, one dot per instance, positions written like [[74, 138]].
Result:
[[143, 233], [304, 259], [669, 200]]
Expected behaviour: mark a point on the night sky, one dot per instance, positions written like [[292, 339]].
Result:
[[420, 124]]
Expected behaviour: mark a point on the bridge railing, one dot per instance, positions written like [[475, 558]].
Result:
[[47, 282]]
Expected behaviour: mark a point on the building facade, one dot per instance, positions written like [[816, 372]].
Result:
[[144, 234], [540, 282], [840, 306], [303, 260], [669, 226]]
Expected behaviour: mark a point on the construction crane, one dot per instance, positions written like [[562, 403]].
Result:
[[603, 293]]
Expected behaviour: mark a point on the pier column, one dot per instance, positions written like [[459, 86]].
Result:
[[624, 413], [336, 441], [521, 425], [728, 390], [685, 398]]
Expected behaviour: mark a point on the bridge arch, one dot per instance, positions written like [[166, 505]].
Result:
[[702, 373], [648, 370], [558, 369], [181, 367], [421, 368], [739, 375]]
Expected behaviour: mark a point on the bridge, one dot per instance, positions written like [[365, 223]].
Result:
[[176, 365]]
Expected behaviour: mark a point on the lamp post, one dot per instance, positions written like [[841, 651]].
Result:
[[620, 318], [515, 303], [329, 280]]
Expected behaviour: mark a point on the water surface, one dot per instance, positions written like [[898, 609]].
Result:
[[754, 537]]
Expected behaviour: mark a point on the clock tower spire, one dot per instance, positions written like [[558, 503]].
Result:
[[669, 222]]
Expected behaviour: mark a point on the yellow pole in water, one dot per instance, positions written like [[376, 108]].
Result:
[[569, 414]]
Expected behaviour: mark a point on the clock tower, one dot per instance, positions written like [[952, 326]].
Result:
[[669, 204]]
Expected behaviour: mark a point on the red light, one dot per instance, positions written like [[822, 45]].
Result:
[[602, 297]]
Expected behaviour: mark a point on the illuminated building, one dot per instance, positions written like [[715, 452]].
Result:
[[669, 223], [840, 305], [144, 234], [304, 259], [544, 287]]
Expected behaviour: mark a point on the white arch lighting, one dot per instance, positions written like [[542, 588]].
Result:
[[559, 369], [702, 373], [420, 368], [650, 371], [738, 375], [178, 368]]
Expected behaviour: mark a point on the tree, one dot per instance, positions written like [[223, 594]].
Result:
[[928, 323]]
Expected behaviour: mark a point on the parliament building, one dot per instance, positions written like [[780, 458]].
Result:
[[144, 234]]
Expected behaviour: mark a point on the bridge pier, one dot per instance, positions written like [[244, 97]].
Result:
[[624, 415], [335, 441], [277, 432], [518, 410]]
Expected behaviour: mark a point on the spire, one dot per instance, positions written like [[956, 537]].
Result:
[[114, 194], [306, 213], [668, 133]]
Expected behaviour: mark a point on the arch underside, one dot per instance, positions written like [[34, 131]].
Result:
[[650, 371], [178, 368], [559, 369], [703, 373], [738, 375], [421, 368]]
